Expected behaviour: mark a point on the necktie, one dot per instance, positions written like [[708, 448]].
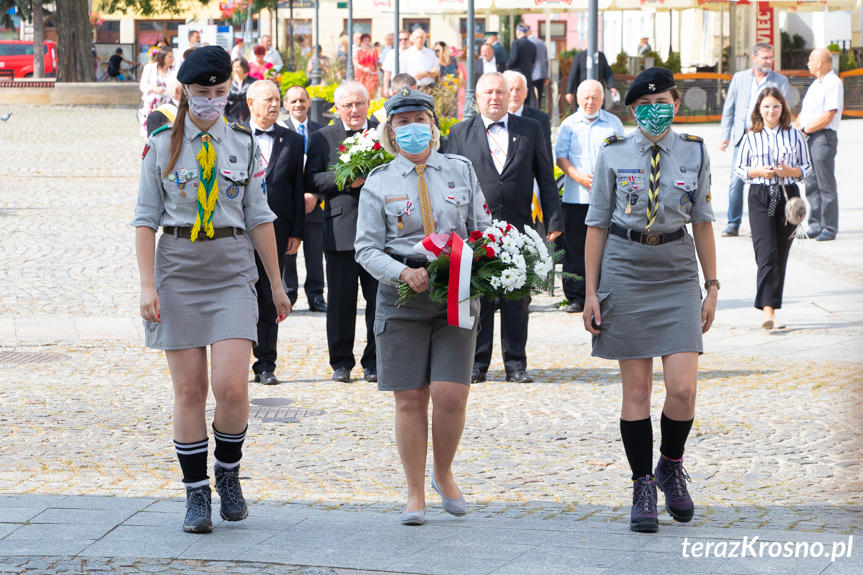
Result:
[[208, 189], [305, 139], [425, 201], [493, 124], [258, 132], [653, 192]]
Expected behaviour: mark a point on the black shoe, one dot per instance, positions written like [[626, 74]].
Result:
[[267, 378], [730, 232], [575, 307], [643, 516], [228, 486], [519, 376], [342, 374], [370, 375], [198, 510], [825, 236], [477, 376], [318, 304]]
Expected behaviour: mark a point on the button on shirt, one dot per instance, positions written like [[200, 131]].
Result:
[[579, 141], [265, 142], [823, 95], [621, 178], [171, 200], [419, 61], [498, 140], [390, 196]]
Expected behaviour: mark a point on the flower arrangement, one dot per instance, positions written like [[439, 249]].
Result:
[[505, 262], [358, 155], [323, 91], [270, 71]]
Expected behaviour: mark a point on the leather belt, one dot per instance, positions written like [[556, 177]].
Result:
[[218, 233], [648, 238], [411, 262]]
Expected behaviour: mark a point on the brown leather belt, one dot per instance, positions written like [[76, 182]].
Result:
[[647, 238], [218, 233]]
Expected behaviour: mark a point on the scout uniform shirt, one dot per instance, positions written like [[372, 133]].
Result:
[[622, 179], [172, 200], [390, 220]]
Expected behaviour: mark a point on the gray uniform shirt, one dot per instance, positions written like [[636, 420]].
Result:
[[390, 196], [622, 176], [172, 200]]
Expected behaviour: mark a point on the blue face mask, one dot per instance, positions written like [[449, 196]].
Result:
[[413, 138]]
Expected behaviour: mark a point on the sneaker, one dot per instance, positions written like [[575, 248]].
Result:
[[230, 493], [198, 510], [671, 478], [643, 516], [730, 232]]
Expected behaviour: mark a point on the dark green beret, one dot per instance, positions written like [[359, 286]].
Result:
[[206, 66], [408, 100], [651, 81]]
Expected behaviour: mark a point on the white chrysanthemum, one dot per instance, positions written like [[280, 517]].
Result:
[[542, 269], [345, 158], [506, 257], [495, 282]]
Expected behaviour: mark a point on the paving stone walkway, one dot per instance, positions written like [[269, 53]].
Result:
[[88, 481]]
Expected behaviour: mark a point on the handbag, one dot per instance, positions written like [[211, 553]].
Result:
[[795, 209]]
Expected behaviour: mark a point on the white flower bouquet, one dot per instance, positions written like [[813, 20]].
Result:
[[358, 155]]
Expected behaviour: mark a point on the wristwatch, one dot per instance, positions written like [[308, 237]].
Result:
[[709, 283]]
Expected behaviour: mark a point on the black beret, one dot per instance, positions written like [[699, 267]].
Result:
[[408, 100], [651, 81], [206, 66]]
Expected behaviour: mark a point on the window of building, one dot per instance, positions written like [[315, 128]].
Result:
[[361, 25], [108, 32], [478, 34]]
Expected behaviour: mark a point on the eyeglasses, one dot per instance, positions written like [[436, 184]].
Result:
[[404, 39], [353, 105]]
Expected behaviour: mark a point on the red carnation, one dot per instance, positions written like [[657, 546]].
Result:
[[475, 235], [490, 236], [376, 147], [342, 149], [489, 252], [508, 227]]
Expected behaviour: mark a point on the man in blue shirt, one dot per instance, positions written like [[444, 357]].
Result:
[[581, 136]]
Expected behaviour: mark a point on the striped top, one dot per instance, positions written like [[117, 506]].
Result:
[[769, 148]]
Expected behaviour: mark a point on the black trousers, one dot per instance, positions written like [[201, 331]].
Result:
[[314, 257], [268, 329], [539, 86], [513, 333], [343, 272], [821, 191], [771, 238], [574, 236]]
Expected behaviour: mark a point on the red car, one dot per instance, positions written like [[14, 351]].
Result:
[[17, 56]]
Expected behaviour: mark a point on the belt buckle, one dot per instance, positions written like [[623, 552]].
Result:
[[652, 239]]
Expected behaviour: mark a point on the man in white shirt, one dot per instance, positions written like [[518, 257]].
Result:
[[389, 64], [420, 61], [237, 50], [819, 120], [272, 56]]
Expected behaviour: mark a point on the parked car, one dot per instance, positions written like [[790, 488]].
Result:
[[17, 56]]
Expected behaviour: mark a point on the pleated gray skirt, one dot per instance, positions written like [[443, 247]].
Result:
[[207, 292], [650, 300]]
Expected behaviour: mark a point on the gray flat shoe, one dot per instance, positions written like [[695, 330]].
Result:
[[457, 506], [413, 517]]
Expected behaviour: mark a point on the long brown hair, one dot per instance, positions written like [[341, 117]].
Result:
[[177, 132], [784, 117]]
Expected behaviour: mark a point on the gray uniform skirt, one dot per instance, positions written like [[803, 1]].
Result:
[[207, 292], [650, 300], [415, 346]]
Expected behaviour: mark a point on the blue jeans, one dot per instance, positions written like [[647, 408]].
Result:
[[735, 195]]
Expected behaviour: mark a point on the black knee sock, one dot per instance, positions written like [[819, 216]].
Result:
[[638, 442], [229, 448], [193, 462], [674, 434]]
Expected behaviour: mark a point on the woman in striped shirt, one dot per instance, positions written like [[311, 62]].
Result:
[[773, 155]]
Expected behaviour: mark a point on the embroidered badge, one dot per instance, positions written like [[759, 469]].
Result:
[[451, 185], [707, 199], [146, 149], [652, 87], [233, 191], [232, 159]]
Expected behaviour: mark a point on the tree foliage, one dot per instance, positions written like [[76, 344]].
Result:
[[148, 7]]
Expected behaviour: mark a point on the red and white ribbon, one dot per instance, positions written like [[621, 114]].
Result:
[[432, 245], [458, 294]]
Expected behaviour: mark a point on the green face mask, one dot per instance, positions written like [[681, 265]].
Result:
[[654, 119]]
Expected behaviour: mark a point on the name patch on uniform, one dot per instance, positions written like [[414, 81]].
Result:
[[630, 171], [390, 199], [233, 191]]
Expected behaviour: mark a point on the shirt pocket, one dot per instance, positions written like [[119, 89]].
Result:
[[632, 192], [399, 210], [181, 185], [685, 191], [454, 218], [232, 183]]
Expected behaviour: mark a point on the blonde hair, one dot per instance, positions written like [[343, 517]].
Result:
[[388, 135]]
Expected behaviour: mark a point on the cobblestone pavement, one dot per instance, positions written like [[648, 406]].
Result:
[[87, 409]]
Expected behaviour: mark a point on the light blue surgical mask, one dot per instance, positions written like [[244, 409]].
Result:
[[413, 138]]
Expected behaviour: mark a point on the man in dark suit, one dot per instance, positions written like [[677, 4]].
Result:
[[522, 57], [297, 104], [518, 91], [281, 156], [339, 231], [487, 62], [578, 74], [507, 153]]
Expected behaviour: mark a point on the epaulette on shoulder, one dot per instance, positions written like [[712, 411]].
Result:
[[379, 168], [613, 140], [692, 138], [162, 128], [457, 157], [239, 127]]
